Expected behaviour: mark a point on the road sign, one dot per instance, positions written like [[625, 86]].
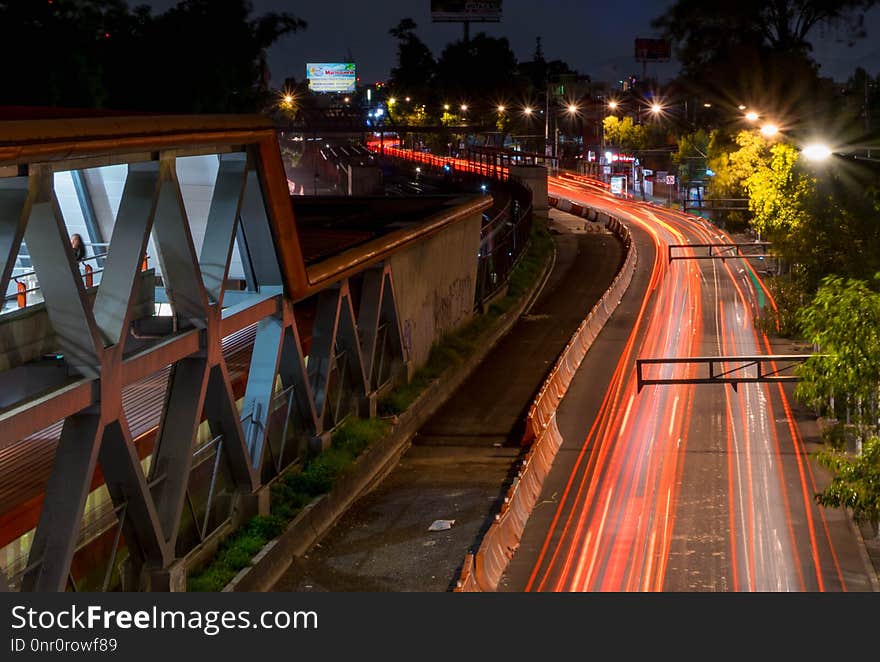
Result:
[[670, 180], [617, 185]]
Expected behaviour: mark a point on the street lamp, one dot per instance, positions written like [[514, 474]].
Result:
[[769, 130], [501, 109], [752, 116], [816, 152], [656, 108], [612, 105], [527, 110]]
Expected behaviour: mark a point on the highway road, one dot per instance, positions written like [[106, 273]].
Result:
[[681, 487]]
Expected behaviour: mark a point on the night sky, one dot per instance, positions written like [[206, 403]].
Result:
[[595, 38]]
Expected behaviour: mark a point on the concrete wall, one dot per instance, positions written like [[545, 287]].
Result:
[[434, 283], [364, 180], [534, 177]]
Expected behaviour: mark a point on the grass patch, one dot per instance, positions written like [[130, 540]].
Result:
[[289, 495], [455, 347]]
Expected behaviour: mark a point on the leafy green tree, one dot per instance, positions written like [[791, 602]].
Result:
[[766, 172], [625, 134], [779, 193], [839, 234], [843, 322], [855, 482]]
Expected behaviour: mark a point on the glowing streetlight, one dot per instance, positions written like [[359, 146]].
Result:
[[445, 106], [572, 109], [742, 107], [752, 116], [527, 110], [656, 108], [769, 130], [817, 152], [464, 107], [392, 101], [346, 99], [407, 99], [501, 109], [612, 105]]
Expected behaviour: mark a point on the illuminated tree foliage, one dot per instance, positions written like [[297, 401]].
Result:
[[779, 193], [766, 172], [843, 321], [623, 133], [855, 482]]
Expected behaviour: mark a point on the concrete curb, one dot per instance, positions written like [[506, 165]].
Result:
[[271, 562]]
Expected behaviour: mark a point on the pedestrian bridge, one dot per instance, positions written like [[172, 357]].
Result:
[[214, 333]]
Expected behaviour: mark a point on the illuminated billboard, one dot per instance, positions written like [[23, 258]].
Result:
[[653, 49], [449, 11], [331, 76]]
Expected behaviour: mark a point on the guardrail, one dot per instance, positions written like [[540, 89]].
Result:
[[504, 236], [26, 283]]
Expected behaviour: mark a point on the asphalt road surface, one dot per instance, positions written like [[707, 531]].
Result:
[[681, 487]]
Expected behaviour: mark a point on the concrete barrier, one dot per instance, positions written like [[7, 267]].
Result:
[[483, 571]]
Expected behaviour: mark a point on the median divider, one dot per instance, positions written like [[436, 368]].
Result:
[[483, 570]]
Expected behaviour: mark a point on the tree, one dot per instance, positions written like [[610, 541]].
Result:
[[623, 133], [416, 68], [756, 52], [779, 193], [767, 173], [206, 57], [199, 56], [781, 25], [480, 72], [843, 322], [839, 234], [55, 53], [855, 482]]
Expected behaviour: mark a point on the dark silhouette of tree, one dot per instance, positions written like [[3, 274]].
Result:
[[781, 25], [416, 67], [480, 71], [53, 52], [754, 51], [199, 56]]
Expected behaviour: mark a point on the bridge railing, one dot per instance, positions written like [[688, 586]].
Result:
[[505, 232]]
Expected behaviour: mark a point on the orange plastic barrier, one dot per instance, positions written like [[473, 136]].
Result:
[[484, 570]]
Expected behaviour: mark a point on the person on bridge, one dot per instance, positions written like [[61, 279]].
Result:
[[79, 248]]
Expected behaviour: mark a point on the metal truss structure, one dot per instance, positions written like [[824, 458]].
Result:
[[315, 350], [718, 251], [733, 370]]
